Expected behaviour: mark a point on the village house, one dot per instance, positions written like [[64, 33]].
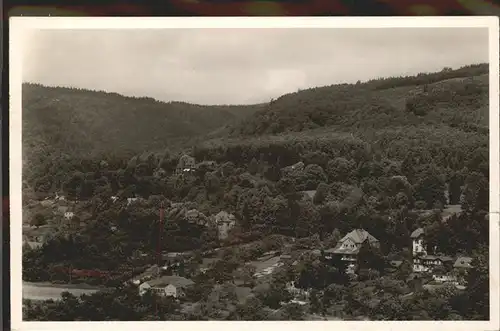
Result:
[[461, 268], [443, 276], [418, 244], [207, 264], [224, 222], [295, 291], [30, 245], [131, 201], [148, 274], [442, 268], [464, 263], [186, 164], [194, 216], [426, 263], [173, 286], [37, 236], [394, 265], [160, 173], [59, 197], [47, 202], [308, 195], [206, 164], [348, 247], [62, 210]]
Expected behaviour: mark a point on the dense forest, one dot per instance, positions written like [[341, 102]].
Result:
[[387, 155], [82, 123]]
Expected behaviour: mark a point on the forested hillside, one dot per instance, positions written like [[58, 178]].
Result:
[[83, 123], [452, 98]]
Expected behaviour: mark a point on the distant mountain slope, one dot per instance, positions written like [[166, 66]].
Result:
[[458, 98], [81, 122], [444, 114]]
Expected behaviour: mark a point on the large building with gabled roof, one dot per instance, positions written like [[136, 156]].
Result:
[[348, 247], [173, 286]]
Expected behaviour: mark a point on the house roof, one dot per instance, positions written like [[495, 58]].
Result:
[[243, 293], [396, 263], [437, 257], [417, 233], [309, 194], [63, 209], [413, 276], [36, 232], [170, 280], [34, 244], [316, 252], [445, 258], [463, 262], [207, 262], [340, 250], [149, 272], [224, 217], [359, 236]]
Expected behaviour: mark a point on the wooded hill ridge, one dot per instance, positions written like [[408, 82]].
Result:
[[440, 109]]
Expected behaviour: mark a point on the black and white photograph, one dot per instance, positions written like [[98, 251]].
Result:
[[273, 170]]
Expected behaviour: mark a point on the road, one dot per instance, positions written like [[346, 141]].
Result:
[[44, 291]]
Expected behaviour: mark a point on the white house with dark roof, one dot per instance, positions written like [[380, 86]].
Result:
[[418, 242], [173, 286]]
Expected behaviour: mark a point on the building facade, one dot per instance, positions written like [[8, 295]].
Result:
[[186, 164]]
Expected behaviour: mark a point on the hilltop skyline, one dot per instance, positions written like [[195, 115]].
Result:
[[201, 66]]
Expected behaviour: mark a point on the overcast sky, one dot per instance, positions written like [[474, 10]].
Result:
[[240, 66]]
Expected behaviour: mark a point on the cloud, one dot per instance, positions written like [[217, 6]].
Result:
[[222, 66]]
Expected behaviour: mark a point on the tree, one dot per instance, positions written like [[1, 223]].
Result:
[[274, 295], [228, 169], [312, 175], [293, 312], [38, 220], [369, 257], [212, 182], [251, 310], [476, 193], [321, 193], [340, 169], [316, 157], [455, 189], [479, 285], [253, 166], [430, 188], [333, 238]]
